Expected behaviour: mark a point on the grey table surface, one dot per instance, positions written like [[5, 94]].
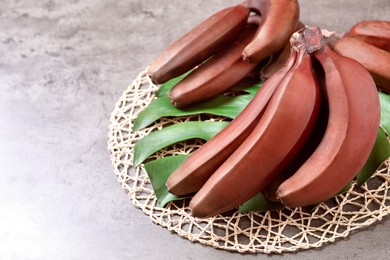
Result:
[[63, 66]]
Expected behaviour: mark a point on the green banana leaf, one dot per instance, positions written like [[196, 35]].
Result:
[[157, 140], [227, 106], [385, 112], [159, 171], [379, 154], [259, 203]]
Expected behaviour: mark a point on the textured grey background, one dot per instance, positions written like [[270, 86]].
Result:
[[63, 66]]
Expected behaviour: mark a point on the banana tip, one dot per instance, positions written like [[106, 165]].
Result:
[[247, 57], [168, 186], [172, 188], [173, 101], [279, 197], [199, 215], [197, 211], [152, 78]]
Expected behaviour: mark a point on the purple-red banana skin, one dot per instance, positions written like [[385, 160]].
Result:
[[278, 21], [309, 147], [350, 135], [375, 60], [311, 144], [198, 44], [278, 59], [374, 32], [191, 175], [269, 147], [217, 74]]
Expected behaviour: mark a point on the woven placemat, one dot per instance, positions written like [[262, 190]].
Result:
[[279, 231]]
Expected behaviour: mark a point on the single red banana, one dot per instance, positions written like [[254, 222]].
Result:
[[306, 151], [199, 44], [309, 147], [278, 59], [375, 60], [350, 134], [270, 146], [217, 74], [278, 21], [190, 176], [374, 32]]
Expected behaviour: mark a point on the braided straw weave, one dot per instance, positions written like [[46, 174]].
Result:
[[280, 231]]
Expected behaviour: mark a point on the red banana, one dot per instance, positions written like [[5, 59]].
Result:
[[375, 60], [373, 32], [278, 21], [199, 44]]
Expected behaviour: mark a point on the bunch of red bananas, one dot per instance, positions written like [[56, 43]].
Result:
[[306, 133]]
